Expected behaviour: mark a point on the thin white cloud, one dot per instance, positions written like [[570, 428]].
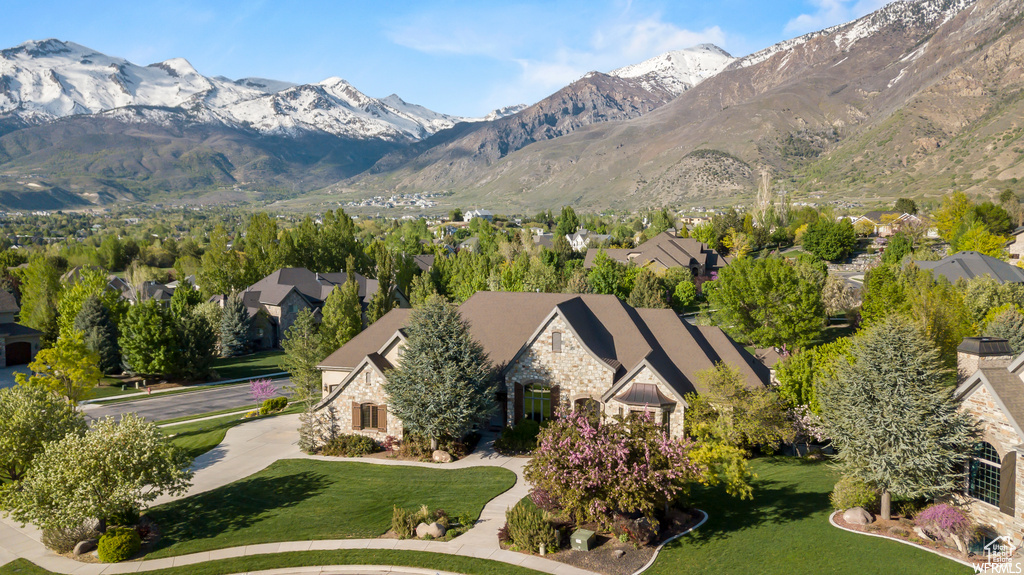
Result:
[[548, 52], [831, 12]]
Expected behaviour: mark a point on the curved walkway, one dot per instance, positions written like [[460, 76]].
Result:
[[250, 448]]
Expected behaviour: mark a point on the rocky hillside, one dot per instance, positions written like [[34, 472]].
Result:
[[915, 99]]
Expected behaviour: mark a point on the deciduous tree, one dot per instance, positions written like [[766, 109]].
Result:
[[68, 369], [149, 341], [31, 417]]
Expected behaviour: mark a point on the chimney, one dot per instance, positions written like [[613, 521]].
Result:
[[975, 353]]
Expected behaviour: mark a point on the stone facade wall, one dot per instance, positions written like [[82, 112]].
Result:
[[366, 386], [677, 412], [996, 430], [968, 363], [284, 314], [574, 370], [1016, 249]]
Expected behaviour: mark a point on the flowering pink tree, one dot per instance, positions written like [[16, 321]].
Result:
[[593, 469], [261, 390]]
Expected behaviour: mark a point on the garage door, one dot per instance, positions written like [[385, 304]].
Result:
[[19, 352]]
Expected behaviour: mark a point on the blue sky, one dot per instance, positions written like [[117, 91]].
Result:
[[456, 57]]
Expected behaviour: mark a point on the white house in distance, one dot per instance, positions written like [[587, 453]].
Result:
[[885, 223], [485, 214], [584, 238]]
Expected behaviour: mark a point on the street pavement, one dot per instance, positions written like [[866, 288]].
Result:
[[172, 405]]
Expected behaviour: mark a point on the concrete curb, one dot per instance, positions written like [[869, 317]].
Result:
[[831, 519], [657, 551]]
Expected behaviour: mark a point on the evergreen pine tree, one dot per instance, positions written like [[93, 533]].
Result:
[[1008, 324], [892, 416], [647, 291], [197, 342], [568, 222], [442, 387], [234, 327], [99, 333]]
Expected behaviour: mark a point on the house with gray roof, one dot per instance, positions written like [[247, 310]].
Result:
[[18, 343], [664, 251], [968, 265], [991, 388], [549, 351], [276, 300]]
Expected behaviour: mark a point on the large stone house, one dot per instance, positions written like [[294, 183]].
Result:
[[666, 250], [991, 388], [589, 351], [969, 264], [18, 343], [276, 300]]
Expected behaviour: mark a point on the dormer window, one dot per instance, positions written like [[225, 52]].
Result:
[[556, 342]]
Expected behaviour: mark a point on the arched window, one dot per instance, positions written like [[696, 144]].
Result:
[[537, 402], [590, 406], [983, 474]]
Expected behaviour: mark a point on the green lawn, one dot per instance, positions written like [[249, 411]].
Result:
[[296, 500], [785, 530], [254, 365], [201, 436], [468, 565]]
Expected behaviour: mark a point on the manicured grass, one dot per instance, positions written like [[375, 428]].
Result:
[[296, 500], [785, 530], [112, 389], [253, 365], [422, 559], [173, 420], [201, 436]]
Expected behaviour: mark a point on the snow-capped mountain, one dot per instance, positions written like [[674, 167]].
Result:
[[504, 111], [679, 70], [41, 81]]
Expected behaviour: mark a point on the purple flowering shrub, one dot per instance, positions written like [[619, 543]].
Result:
[[544, 501], [594, 469], [942, 520], [261, 390]]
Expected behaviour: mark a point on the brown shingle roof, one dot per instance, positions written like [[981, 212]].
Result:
[[313, 286], [1009, 389], [666, 249], [368, 341], [621, 336], [7, 302]]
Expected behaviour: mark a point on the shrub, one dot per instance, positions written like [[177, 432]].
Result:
[[942, 521], [264, 410], [544, 501], [522, 437], [350, 445], [415, 445], [527, 528], [401, 522], [64, 540], [124, 518], [851, 492], [119, 544], [274, 404]]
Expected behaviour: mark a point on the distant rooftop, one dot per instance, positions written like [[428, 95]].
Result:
[[969, 265]]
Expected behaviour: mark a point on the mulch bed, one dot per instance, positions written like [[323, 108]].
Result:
[[893, 528], [602, 558]]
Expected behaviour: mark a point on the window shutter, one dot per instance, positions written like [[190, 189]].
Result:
[[382, 418], [357, 416], [517, 404], [556, 400], [1007, 483]]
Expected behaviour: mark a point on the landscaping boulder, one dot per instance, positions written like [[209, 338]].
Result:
[[922, 534], [618, 553], [435, 530], [85, 546], [857, 516], [442, 456]]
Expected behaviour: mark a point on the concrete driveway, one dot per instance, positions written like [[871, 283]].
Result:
[[7, 374]]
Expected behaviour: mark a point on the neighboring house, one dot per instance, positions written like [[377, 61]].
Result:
[[886, 223], [283, 294], [991, 388], [587, 351], [583, 238], [665, 251], [424, 261], [969, 265], [485, 214], [545, 240], [1015, 247], [770, 357], [470, 244], [18, 343]]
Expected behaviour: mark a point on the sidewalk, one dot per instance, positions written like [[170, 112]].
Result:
[[251, 447]]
